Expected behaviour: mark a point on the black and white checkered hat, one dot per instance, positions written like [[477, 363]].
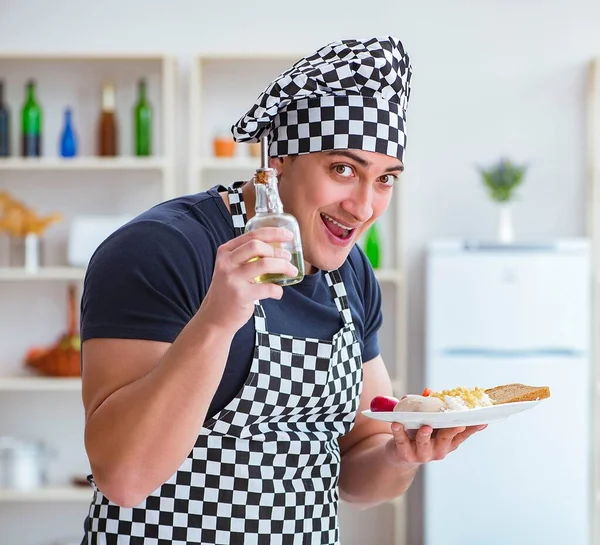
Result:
[[350, 94]]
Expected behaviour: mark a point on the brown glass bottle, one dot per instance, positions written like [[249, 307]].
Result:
[[107, 129]]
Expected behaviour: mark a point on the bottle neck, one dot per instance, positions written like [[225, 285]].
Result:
[[267, 196], [142, 90], [30, 92], [108, 98]]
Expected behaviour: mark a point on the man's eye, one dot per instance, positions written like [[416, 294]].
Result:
[[343, 170], [389, 179]]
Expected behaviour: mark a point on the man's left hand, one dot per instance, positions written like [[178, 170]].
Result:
[[427, 446]]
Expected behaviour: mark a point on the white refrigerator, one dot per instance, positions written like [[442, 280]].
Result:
[[498, 314]]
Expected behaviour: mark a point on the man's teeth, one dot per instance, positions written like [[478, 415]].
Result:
[[329, 218]]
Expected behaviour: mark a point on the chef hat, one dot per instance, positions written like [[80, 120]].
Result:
[[350, 94]]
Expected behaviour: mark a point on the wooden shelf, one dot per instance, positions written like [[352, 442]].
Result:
[[33, 383], [44, 273], [82, 163], [48, 494]]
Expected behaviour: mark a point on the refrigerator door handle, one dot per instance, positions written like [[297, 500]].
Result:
[[482, 352]]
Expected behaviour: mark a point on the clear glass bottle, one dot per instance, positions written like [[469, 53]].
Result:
[[269, 213]]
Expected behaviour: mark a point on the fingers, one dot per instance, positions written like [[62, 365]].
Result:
[[446, 436], [267, 265], [253, 254], [266, 234], [424, 443], [257, 248], [402, 443], [268, 291], [463, 436]]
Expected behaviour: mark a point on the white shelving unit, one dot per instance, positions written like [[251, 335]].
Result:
[[85, 163], [34, 384], [44, 273], [33, 304], [593, 231], [222, 88], [49, 494]]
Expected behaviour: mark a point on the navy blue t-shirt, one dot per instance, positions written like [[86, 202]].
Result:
[[148, 279]]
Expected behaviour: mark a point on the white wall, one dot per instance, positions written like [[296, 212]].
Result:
[[491, 78]]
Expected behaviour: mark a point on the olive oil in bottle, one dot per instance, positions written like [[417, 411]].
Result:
[[269, 213]]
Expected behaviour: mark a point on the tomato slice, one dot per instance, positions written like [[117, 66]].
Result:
[[426, 392]]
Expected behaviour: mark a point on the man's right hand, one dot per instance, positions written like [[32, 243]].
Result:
[[229, 301]]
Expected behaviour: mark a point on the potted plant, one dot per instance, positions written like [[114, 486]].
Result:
[[501, 181]]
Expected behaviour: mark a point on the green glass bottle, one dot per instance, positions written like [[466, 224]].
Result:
[[373, 246], [31, 124], [142, 114]]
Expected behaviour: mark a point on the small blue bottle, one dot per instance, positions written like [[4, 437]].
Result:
[[68, 139]]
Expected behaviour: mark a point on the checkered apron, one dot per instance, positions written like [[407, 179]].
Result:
[[265, 469]]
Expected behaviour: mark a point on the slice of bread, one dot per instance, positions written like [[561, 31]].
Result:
[[511, 393]]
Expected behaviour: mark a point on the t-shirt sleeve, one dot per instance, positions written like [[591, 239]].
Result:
[[373, 312], [143, 282]]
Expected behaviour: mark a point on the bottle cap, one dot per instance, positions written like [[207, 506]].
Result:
[[108, 97]]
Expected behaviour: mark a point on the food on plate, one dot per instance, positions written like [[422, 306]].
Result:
[[513, 393], [462, 399], [459, 399], [412, 403], [383, 404]]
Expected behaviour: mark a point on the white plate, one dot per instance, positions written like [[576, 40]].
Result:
[[452, 419]]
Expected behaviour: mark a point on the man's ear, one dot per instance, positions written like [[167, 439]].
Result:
[[277, 163]]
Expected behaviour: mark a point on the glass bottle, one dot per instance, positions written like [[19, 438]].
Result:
[[142, 122], [31, 127], [269, 213], [373, 246], [107, 126], [4, 125], [68, 139]]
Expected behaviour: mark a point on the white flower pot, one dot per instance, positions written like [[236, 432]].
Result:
[[506, 233]]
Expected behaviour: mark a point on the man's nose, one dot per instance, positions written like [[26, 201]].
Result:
[[360, 202]]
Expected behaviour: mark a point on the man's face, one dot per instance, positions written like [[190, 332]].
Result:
[[335, 196]]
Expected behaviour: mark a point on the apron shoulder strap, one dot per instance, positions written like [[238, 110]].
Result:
[[238, 208], [338, 292]]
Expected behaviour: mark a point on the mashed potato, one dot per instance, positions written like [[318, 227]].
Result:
[[462, 399]]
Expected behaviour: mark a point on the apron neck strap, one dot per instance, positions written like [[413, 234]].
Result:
[[238, 208], [338, 292]]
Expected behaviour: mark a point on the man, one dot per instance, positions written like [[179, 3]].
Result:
[[220, 410]]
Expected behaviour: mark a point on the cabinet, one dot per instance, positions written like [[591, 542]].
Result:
[[33, 306], [222, 88], [593, 232]]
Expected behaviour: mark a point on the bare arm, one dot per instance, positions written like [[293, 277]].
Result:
[[145, 404], [379, 461], [146, 401]]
